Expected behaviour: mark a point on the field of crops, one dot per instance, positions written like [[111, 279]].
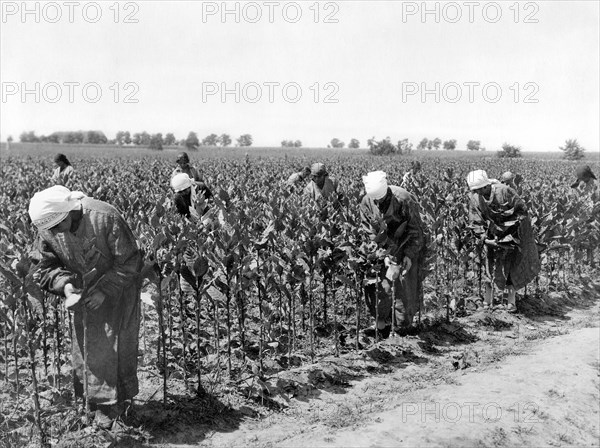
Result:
[[274, 284]]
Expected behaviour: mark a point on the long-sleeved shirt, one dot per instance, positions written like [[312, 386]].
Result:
[[497, 208], [329, 188], [505, 214], [295, 179], [62, 177], [103, 240], [404, 228]]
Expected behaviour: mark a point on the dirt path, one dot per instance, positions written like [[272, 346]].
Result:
[[547, 398], [511, 388]]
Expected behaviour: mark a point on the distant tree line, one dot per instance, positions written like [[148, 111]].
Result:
[[386, 147], [291, 144], [337, 143], [91, 137], [125, 138], [572, 149]]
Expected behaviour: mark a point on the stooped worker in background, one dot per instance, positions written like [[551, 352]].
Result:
[[296, 180], [586, 180], [586, 190], [87, 253], [321, 184], [513, 181], [509, 179], [499, 218], [187, 201], [183, 162], [405, 238], [63, 172], [410, 178]]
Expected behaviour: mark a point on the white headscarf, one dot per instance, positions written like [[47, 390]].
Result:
[[477, 179], [182, 181], [376, 184], [51, 206], [317, 168]]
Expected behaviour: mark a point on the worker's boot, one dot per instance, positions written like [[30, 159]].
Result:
[[487, 297], [511, 307], [102, 418]]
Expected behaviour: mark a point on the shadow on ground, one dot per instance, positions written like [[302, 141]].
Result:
[[184, 419]]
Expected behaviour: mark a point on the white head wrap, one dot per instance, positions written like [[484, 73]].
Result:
[[317, 168], [376, 184], [51, 206], [181, 181], [507, 177], [477, 179]]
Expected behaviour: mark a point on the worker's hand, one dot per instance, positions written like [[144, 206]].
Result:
[[393, 271], [95, 300], [72, 295], [406, 264]]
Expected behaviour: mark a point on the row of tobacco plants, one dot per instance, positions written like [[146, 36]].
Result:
[[269, 279]]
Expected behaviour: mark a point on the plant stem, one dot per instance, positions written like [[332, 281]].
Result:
[[325, 298], [311, 311], [163, 337], [85, 363], [6, 354], [44, 335], [36, 395], [143, 311], [58, 342], [183, 334], [335, 324], [228, 314], [199, 362], [260, 313], [15, 354]]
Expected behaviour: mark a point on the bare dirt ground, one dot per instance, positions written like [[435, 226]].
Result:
[[484, 378], [487, 379]]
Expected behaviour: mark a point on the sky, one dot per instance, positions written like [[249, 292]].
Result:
[[524, 73]]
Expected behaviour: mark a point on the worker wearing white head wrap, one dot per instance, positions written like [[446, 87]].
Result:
[[405, 239], [509, 243], [510, 179], [477, 179], [184, 167], [507, 177], [181, 181], [185, 201], [51, 206], [376, 184], [94, 262]]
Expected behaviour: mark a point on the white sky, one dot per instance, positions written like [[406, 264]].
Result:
[[369, 55]]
